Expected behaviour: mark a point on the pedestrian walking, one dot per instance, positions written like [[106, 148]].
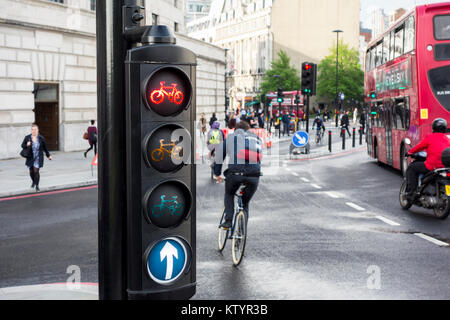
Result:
[[92, 138], [213, 119], [35, 161], [286, 119], [215, 138], [355, 116], [345, 123], [202, 126]]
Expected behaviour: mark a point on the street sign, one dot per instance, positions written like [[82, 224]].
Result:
[[342, 96], [167, 260], [300, 139]]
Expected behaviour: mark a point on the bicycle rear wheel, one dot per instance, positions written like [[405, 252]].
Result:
[[223, 234], [239, 238]]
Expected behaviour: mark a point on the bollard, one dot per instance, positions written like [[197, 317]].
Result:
[[343, 138], [330, 134], [354, 138], [360, 136]]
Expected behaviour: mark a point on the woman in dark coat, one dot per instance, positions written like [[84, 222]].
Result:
[[38, 146]]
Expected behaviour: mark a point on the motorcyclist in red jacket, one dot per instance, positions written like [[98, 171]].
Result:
[[434, 144]]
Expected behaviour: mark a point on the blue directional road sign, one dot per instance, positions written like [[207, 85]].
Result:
[[300, 139], [167, 260], [342, 96]]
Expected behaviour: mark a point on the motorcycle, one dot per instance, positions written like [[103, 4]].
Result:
[[433, 189]]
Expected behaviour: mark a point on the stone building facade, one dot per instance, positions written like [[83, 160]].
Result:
[[48, 70], [254, 31]]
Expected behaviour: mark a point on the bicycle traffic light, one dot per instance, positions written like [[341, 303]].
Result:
[[309, 75], [280, 95], [161, 111]]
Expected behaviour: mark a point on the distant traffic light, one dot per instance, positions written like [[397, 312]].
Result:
[[297, 99], [309, 75], [280, 95]]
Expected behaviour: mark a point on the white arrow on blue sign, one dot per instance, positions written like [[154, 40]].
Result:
[[300, 139], [342, 96], [167, 260]]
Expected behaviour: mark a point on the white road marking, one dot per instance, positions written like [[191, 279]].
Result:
[[354, 206], [316, 186], [305, 180], [288, 169], [385, 220], [332, 195], [295, 174], [433, 240]]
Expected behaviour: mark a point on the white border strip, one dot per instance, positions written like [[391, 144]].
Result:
[[432, 240], [316, 186], [389, 222], [354, 206], [304, 179]]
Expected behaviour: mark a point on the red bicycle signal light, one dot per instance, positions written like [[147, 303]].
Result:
[[168, 91], [158, 96]]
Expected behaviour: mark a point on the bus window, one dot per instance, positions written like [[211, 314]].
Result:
[[401, 113], [409, 34], [372, 58], [399, 41], [442, 27], [381, 115], [373, 115], [368, 60], [379, 54], [386, 47], [392, 48]]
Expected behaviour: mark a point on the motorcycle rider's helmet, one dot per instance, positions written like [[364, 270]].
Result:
[[439, 126]]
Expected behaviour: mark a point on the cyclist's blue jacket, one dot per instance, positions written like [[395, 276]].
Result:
[[244, 150]]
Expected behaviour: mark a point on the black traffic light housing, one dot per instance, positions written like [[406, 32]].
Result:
[[280, 95], [161, 209], [309, 75]]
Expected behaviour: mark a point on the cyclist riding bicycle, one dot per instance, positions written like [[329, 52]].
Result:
[[318, 122], [244, 150]]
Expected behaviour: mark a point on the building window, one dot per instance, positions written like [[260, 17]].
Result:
[[93, 5], [176, 26], [154, 19], [57, 1], [175, 3]]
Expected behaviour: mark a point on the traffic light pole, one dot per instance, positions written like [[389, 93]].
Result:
[[307, 113], [111, 53], [279, 116]]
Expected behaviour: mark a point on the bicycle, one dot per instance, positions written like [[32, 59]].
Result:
[[175, 151], [238, 232], [172, 93], [319, 135], [172, 206]]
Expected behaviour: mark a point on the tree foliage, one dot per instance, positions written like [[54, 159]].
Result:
[[351, 76], [290, 79]]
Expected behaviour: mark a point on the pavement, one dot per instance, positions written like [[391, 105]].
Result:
[[66, 170]]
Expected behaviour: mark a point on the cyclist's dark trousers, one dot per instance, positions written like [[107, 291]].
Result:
[[412, 175], [286, 129], [232, 184]]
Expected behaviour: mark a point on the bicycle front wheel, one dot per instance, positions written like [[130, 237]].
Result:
[[239, 239], [223, 234]]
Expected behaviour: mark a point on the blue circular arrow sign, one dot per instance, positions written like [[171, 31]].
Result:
[[167, 260], [300, 139]]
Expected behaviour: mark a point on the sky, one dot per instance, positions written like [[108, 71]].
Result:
[[389, 6]]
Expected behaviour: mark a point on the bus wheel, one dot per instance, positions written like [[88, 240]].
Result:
[[403, 161]]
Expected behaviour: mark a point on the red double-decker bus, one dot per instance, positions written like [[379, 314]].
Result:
[[407, 82]]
